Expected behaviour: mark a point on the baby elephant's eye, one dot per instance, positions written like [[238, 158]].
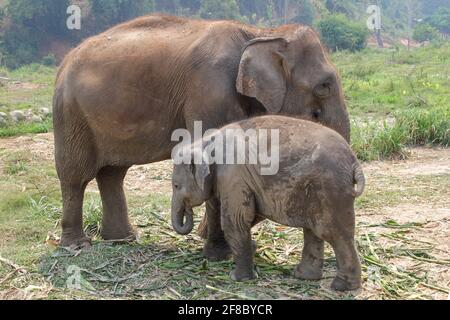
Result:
[[176, 186]]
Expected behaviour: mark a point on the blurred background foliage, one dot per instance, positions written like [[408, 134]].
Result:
[[35, 30]]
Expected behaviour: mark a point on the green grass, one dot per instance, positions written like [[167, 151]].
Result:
[[374, 142], [426, 126], [11, 130], [417, 126], [31, 87], [380, 82], [408, 87]]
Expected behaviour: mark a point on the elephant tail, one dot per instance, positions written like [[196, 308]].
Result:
[[358, 179]]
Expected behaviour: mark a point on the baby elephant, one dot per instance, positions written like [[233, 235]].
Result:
[[314, 189]]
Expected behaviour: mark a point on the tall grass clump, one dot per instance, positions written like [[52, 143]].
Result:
[[426, 126], [414, 127], [92, 212], [372, 141]]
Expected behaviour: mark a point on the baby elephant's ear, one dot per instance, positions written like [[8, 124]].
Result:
[[202, 171], [199, 171]]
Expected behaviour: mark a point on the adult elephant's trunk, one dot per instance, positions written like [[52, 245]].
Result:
[[344, 129], [338, 121], [179, 213]]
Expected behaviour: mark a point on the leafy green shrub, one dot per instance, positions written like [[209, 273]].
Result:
[[440, 20], [49, 60], [31, 23], [425, 32], [340, 33]]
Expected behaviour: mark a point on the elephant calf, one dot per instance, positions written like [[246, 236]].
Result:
[[314, 189]]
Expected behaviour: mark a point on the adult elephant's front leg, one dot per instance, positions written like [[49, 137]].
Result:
[[115, 224], [216, 247]]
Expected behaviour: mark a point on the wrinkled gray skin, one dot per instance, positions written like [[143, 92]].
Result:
[[121, 94], [314, 190]]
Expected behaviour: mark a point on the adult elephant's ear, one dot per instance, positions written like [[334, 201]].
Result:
[[263, 72]]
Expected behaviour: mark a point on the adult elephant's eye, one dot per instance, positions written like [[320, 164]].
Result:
[[322, 90], [176, 186], [316, 114]]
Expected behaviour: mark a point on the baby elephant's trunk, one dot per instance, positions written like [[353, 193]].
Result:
[[179, 214], [358, 180]]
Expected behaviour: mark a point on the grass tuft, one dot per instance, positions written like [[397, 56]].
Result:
[[11, 130], [415, 127]]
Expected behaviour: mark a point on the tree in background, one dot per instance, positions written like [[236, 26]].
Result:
[[424, 32], [107, 13], [220, 9], [340, 33], [440, 20], [305, 12], [255, 10], [31, 23]]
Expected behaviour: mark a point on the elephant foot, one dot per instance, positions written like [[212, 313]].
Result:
[[306, 272], [120, 235], [340, 284], [217, 251], [75, 241], [240, 276]]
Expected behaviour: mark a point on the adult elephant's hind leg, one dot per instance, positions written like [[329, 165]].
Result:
[[76, 166], [72, 219], [115, 224]]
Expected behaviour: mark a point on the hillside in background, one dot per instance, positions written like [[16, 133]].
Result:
[[31, 30]]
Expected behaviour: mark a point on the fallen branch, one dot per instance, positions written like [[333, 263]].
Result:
[[7, 79], [13, 265]]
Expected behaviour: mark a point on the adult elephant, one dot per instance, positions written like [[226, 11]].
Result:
[[121, 94]]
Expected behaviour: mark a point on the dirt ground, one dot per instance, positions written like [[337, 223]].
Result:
[[399, 193]]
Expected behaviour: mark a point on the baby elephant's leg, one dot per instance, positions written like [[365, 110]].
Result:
[[241, 245], [311, 265], [349, 267], [236, 223]]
